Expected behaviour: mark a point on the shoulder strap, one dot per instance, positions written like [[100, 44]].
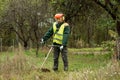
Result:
[[55, 28], [66, 24]]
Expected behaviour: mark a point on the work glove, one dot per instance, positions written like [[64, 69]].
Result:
[[61, 47], [42, 41]]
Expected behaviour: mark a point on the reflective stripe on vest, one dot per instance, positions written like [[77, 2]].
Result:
[[58, 36]]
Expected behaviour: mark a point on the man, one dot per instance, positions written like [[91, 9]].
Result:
[[60, 32]]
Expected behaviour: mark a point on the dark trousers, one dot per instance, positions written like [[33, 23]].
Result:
[[57, 52]]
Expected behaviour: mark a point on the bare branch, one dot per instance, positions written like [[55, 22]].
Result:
[[106, 8]]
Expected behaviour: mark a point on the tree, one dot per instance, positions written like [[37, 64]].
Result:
[[82, 15], [23, 18], [113, 9]]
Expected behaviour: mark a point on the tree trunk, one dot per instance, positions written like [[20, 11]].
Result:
[[37, 50], [117, 49], [88, 39], [118, 27], [118, 41], [25, 45]]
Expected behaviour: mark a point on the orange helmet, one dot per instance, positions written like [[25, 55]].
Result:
[[58, 15]]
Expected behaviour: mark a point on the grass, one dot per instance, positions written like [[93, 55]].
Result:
[[23, 65], [86, 49], [81, 61]]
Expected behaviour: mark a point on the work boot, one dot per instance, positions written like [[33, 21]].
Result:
[[55, 69], [65, 68]]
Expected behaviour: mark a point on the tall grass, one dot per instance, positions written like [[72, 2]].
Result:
[[110, 72], [25, 66], [14, 67]]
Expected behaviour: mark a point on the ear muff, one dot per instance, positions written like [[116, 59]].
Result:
[[63, 18]]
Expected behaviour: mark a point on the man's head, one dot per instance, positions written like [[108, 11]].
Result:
[[59, 17]]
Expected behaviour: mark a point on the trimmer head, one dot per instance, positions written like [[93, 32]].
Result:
[[45, 70]]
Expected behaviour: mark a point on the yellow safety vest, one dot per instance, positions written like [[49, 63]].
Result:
[[58, 36]]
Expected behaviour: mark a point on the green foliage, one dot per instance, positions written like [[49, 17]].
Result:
[[113, 34], [106, 22], [108, 45], [3, 4], [103, 26], [89, 22], [66, 7]]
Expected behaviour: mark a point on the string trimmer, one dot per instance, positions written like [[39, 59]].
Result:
[[45, 69]]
